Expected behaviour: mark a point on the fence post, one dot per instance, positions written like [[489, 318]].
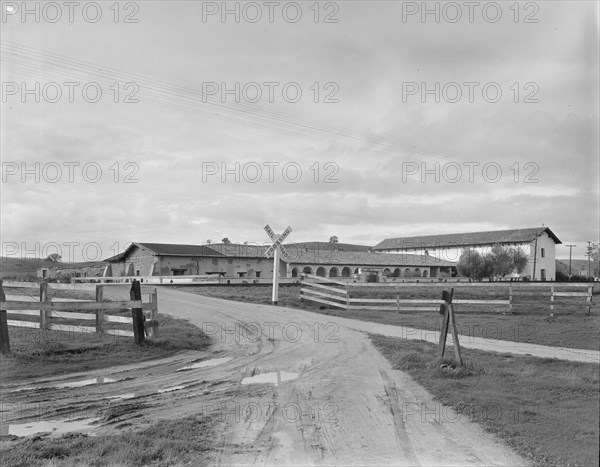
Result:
[[510, 298], [4, 339], [551, 300], [397, 299], [43, 299], [99, 311], [154, 316], [589, 299], [137, 315], [445, 311], [347, 298]]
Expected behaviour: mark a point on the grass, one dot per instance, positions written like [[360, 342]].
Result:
[[186, 441], [569, 327], [41, 354], [547, 410]]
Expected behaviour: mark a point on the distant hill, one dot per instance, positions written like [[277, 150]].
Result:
[[19, 268], [578, 266]]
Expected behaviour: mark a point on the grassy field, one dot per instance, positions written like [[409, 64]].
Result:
[[38, 354], [168, 442], [547, 410], [569, 327]]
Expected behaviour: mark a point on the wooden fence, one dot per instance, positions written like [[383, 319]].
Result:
[[347, 295], [45, 311]]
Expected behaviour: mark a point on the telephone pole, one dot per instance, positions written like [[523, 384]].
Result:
[[570, 255], [589, 255]]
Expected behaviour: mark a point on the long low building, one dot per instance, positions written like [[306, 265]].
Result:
[[538, 243], [248, 261]]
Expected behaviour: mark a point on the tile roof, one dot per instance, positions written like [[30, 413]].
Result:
[[358, 258], [167, 249], [327, 246], [239, 250], [465, 239]]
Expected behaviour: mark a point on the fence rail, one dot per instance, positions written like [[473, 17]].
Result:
[[21, 312], [343, 294]]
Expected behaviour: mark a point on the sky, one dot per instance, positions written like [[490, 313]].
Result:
[[180, 122]]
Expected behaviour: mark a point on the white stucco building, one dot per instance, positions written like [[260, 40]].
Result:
[[538, 243]]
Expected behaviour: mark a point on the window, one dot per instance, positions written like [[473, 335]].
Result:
[[543, 274], [543, 252], [215, 261], [257, 273]]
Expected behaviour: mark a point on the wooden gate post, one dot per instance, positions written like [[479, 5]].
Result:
[[43, 299], [137, 314], [447, 310], [4, 340], [99, 311]]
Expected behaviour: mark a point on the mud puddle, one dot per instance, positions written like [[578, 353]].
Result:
[[275, 377], [205, 363], [59, 427]]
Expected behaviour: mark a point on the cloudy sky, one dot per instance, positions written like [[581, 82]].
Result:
[[167, 121]]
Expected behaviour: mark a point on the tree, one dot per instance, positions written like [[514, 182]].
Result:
[[225, 240], [594, 253], [333, 239], [519, 259], [209, 241], [471, 264], [54, 257]]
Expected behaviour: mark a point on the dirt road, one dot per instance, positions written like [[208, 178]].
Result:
[[289, 388]]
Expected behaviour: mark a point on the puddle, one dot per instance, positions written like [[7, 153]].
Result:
[[87, 382], [205, 363], [270, 378], [174, 388], [54, 427]]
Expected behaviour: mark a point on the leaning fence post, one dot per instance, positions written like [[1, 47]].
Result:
[[589, 299], [445, 311], [4, 339], [43, 312], [99, 311], [154, 315], [135, 293]]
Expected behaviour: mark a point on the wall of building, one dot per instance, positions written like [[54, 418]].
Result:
[[547, 262], [141, 262]]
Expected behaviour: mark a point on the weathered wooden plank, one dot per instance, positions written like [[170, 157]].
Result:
[[572, 294], [71, 328], [119, 332], [23, 324], [324, 287], [327, 302], [73, 315], [482, 302], [394, 300], [73, 306], [387, 308], [117, 319], [321, 294], [35, 313]]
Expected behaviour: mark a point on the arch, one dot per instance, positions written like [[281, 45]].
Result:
[[407, 272], [425, 273], [295, 272], [307, 270], [333, 272], [321, 271], [357, 271], [397, 272], [387, 272], [346, 272], [417, 272]]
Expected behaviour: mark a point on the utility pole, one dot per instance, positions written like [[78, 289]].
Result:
[[589, 255], [570, 255]]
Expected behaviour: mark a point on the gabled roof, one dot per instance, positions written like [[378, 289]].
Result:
[[361, 258], [239, 250], [167, 249], [466, 239]]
